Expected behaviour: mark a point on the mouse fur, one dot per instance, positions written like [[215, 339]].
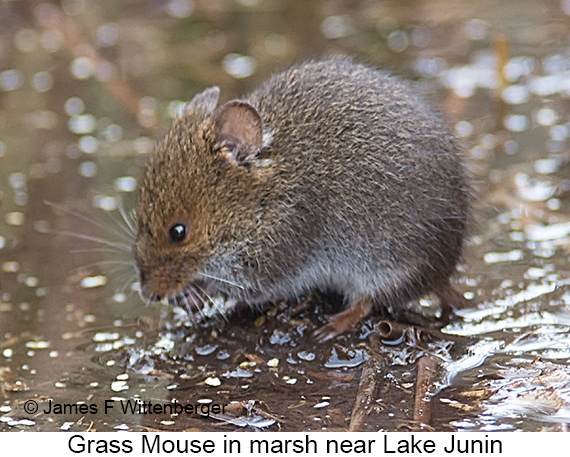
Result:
[[331, 175]]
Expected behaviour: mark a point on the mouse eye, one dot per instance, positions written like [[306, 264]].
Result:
[[177, 233]]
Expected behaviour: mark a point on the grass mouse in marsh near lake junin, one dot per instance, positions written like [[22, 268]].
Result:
[[331, 175]]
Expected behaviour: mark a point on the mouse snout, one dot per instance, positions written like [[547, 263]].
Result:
[[160, 284], [168, 284]]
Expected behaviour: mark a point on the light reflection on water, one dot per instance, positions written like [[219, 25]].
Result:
[[80, 108]]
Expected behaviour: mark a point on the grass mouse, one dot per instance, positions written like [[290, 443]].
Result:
[[331, 175]]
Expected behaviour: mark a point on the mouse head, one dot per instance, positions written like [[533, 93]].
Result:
[[199, 198]]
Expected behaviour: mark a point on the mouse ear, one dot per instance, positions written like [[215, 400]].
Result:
[[239, 130], [204, 101]]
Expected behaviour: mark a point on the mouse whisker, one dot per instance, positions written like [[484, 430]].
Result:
[[222, 280], [91, 250], [214, 303], [129, 221], [128, 286], [183, 299], [191, 293], [119, 246], [126, 263], [126, 237]]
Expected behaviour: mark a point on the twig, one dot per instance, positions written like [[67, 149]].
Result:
[[424, 381], [75, 41], [393, 331], [367, 388]]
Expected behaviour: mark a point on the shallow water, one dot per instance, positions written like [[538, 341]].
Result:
[[87, 87]]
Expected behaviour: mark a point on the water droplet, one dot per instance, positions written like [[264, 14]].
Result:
[[42, 81], [212, 381], [38, 344], [143, 145], [206, 349], [546, 85], [515, 94], [546, 116], [82, 124], [239, 66], [516, 122], [334, 27], [105, 71], [420, 36], [533, 189], [107, 35], [31, 281], [25, 40], [476, 29], [276, 44], [306, 356], [557, 132], [518, 67], [10, 267], [180, 8], [398, 41], [118, 386], [88, 144], [175, 108], [88, 169], [321, 405], [341, 357], [547, 166], [74, 106], [553, 204], [41, 119], [125, 184], [113, 132], [14, 218], [429, 67], [93, 281], [11, 80], [548, 232], [17, 181], [105, 203], [51, 40], [120, 297], [496, 257], [463, 129], [82, 68]]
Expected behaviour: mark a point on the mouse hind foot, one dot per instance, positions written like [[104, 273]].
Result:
[[451, 299], [345, 320]]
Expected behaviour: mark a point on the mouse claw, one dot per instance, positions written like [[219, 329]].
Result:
[[337, 325], [343, 321], [326, 333]]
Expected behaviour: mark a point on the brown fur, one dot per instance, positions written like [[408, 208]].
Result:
[[358, 187]]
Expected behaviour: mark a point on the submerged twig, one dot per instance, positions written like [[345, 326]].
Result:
[[75, 40], [367, 388], [424, 381]]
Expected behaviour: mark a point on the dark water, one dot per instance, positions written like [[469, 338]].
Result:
[[86, 88]]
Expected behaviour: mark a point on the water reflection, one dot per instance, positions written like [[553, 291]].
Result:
[[85, 90]]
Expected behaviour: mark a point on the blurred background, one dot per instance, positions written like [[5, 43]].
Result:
[[87, 87]]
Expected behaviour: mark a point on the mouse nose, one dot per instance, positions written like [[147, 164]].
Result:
[[160, 284]]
